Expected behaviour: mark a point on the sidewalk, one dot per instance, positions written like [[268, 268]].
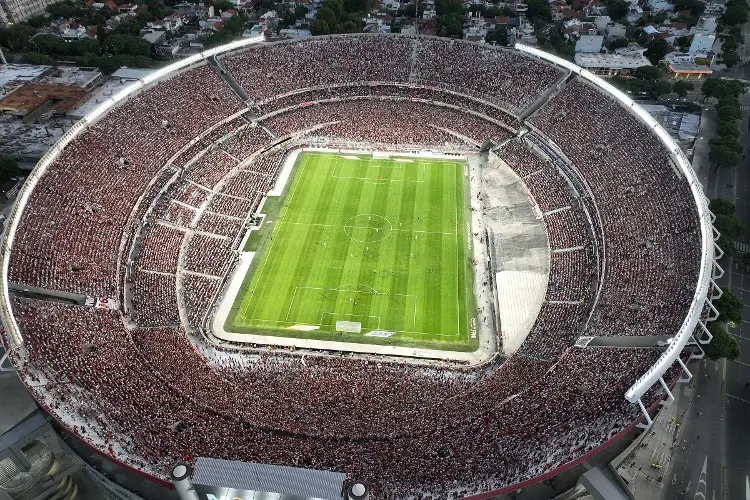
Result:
[[645, 463]]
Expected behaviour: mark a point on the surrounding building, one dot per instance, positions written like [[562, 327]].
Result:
[[702, 44], [622, 61], [14, 11], [684, 66], [591, 44]]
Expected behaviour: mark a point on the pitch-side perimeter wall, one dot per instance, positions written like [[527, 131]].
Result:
[[480, 355]]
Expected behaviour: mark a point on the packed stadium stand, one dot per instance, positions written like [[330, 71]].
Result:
[[147, 205]]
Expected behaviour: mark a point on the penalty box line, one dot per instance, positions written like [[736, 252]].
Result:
[[369, 292], [399, 165], [364, 227]]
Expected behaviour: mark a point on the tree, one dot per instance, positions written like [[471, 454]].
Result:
[[682, 87], [723, 156], [449, 25], [729, 111], [16, 38], [658, 88], [696, 7], [617, 43], [723, 344], [657, 49], [730, 58], [683, 42], [8, 168], [721, 89], [617, 9], [127, 45], [37, 58], [319, 28], [729, 128], [729, 226], [736, 13], [47, 44], [408, 11], [647, 73], [223, 5], [538, 9], [498, 36], [729, 307], [722, 206]]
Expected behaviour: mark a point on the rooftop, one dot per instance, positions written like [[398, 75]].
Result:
[[611, 61], [63, 75], [685, 64], [32, 95], [12, 75], [110, 88], [22, 139]]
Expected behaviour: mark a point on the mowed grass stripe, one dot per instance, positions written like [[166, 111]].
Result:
[[397, 264], [319, 205], [329, 269]]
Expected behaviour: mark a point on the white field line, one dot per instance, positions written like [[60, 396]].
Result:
[[280, 221], [361, 227], [270, 246]]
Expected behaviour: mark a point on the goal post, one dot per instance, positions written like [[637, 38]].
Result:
[[349, 326]]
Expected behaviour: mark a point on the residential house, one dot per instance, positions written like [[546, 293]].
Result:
[[706, 24], [657, 6], [128, 8]]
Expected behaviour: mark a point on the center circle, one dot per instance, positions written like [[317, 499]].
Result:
[[368, 228]]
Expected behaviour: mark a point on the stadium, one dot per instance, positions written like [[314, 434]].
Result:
[[436, 266]]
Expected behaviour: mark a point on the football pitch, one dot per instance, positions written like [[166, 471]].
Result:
[[377, 246]]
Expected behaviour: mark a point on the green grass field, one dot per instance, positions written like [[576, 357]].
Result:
[[381, 242]]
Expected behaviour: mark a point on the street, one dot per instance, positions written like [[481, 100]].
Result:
[[711, 459]]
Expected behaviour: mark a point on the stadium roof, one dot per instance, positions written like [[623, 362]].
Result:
[[302, 483]]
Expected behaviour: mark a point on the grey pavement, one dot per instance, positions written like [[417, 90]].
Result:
[[711, 456]]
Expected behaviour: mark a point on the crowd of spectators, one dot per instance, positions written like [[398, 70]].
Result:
[[549, 189], [388, 121], [232, 205], [508, 77], [651, 226], [419, 429], [192, 194], [154, 299], [566, 228], [512, 80], [209, 255], [219, 224], [571, 275], [199, 292], [159, 248], [245, 141], [70, 233], [247, 184], [433, 94], [401, 428], [211, 168], [326, 61]]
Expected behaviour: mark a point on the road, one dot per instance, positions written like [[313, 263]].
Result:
[[712, 454]]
